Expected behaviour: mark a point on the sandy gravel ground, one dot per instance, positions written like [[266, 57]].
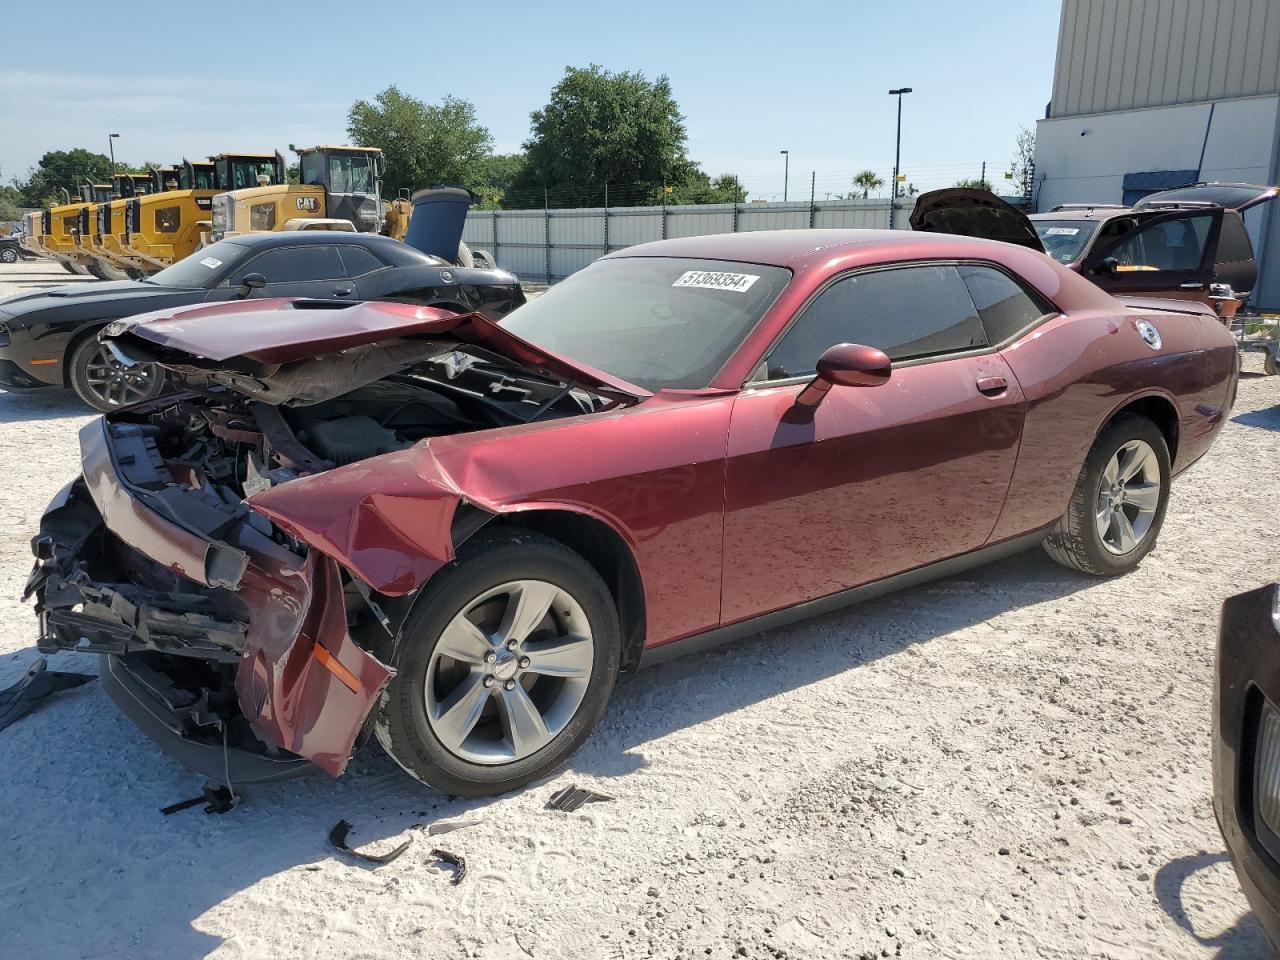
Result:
[[1013, 763]]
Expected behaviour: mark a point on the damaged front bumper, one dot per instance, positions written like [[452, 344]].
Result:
[[229, 650]]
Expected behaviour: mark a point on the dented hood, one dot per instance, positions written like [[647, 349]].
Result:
[[256, 335], [973, 213]]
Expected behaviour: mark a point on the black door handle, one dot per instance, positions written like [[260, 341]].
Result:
[[992, 386], [343, 291]]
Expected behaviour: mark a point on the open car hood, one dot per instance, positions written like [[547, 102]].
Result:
[[973, 213], [287, 339]]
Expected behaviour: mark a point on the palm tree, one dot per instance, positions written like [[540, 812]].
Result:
[[868, 181]]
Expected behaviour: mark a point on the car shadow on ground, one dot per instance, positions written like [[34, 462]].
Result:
[[44, 403], [81, 769], [1267, 419], [1244, 940]]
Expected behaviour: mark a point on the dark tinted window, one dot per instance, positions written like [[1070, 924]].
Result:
[[359, 261], [1005, 307], [295, 264], [908, 313], [1233, 241]]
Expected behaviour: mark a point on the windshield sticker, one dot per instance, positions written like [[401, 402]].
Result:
[[710, 280], [1062, 231], [212, 262]]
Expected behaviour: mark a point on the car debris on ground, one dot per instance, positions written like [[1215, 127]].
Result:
[[34, 687], [572, 797]]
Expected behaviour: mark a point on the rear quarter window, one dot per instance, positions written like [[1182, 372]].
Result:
[[1233, 241]]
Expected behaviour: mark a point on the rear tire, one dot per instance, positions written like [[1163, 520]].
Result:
[[1112, 521], [565, 667], [464, 255]]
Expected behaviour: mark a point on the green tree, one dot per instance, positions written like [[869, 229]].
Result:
[[867, 181], [699, 188], [973, 183], [600, 127], [1023, 165], [61, 170], [497, 174], [423, 144]]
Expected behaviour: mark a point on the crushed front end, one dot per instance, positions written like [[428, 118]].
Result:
[[226, 643]]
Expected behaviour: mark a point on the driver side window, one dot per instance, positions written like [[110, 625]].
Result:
[[1172, 246], [910, 313], [294, 265]]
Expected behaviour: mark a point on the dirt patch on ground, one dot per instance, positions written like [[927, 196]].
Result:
[[1013, 763]]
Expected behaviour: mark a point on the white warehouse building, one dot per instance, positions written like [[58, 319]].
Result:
[[1152, 94]]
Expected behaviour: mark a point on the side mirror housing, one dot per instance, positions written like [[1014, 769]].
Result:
[[1110, 266], [846, 365], [251, 282]]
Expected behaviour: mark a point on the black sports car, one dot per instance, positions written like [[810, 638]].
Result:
[[1246, 747], [49, 337]]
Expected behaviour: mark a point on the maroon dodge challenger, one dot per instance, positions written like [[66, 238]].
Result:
[[453, 531]]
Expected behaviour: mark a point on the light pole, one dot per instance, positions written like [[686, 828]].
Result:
[[897, 145], [786, 172], [111, 145]]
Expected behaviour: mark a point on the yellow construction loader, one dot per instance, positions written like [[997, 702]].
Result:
[[106, 241], [59, 232], [339, 190], [167, 224]]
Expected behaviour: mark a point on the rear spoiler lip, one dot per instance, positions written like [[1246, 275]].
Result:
[[1166, 305]]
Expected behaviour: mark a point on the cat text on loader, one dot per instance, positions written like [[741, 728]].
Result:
[[166, 225], [339, 190]]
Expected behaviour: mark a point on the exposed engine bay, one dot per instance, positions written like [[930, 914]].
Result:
[[232, 443], [207, 604]]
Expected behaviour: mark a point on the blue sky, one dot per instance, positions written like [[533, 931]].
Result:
[[752, 78]]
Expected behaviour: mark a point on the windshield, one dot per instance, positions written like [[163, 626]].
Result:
[[338, 173], [1065, 240], [657, 322], [200, 269], [241, 172]]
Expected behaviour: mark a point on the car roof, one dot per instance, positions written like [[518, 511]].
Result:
[[1087, 213], [396, 251], [792, 248]]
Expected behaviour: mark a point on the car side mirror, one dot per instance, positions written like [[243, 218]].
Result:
[[251, 282], [846, 365], [1109, 266]]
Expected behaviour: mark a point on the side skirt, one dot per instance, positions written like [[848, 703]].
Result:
[[815, 608]]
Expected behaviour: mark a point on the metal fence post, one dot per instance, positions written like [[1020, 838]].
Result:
[[495, 238], [813, 186], [546, 236], [606, 218], [735, 216]]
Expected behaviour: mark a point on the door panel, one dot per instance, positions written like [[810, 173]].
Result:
[[1168, 255], [879, 480]]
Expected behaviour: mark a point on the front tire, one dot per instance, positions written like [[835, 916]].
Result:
[[8, 255], [504, 665], [106, 384], [1118, 505]]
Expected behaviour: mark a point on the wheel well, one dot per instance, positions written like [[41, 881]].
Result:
[[601, 546], [1160, 412], [73, 344]]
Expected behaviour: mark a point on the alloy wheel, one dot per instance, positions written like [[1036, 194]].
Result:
[[509, 672], [1128, 497], [116, 385]]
